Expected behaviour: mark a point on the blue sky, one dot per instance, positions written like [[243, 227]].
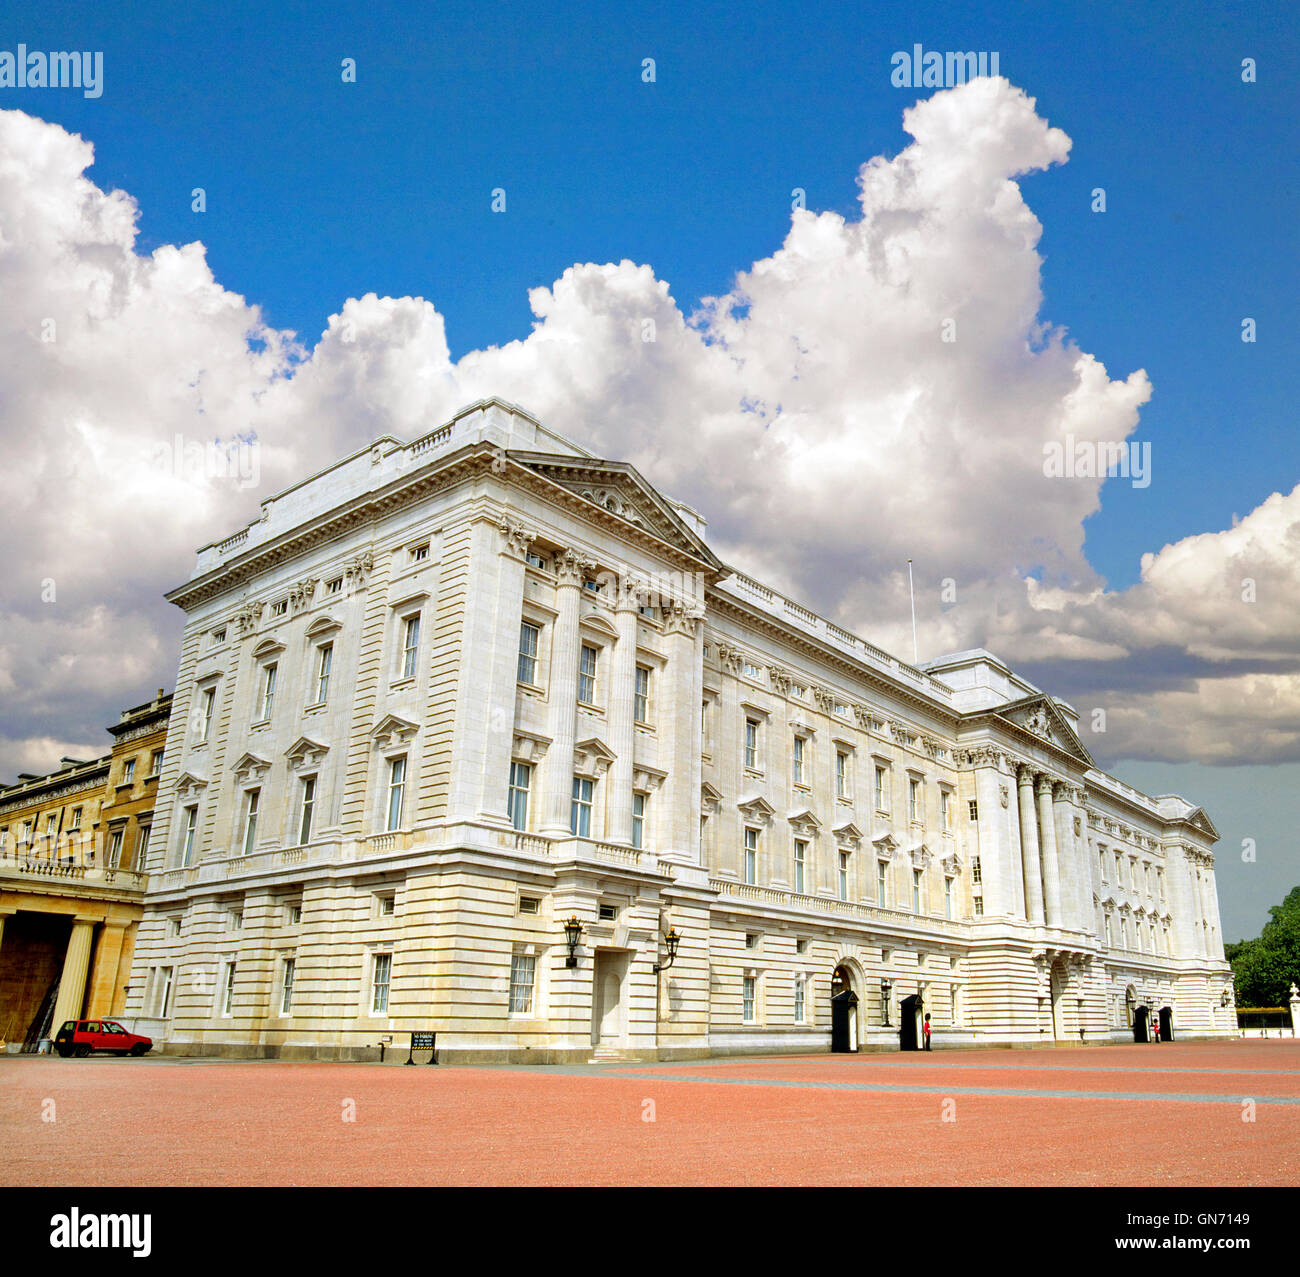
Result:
[[318, 190]]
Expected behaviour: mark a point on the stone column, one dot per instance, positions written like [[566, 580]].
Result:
[[108, 963], [622, 735], [678, 722], [1051, 865], [562, 694], [1029, 847], [72, 984]]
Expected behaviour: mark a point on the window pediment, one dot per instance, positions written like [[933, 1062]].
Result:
[[803, 821], [592, 757], [322, 626], [757, 809], [250, 767], [710, 800], [393, 731], [267, 648], [305, 752], [528, 747], [190, 786]]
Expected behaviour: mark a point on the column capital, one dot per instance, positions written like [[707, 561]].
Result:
[[572, 568], [1024, 774], [1044, 784], [517, 537]]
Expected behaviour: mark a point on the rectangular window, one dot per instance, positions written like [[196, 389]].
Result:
[[973, 808], [916, 891], [324, 660], [380, 980], [976, 873], [142, 850], [751, 743], [580, 810], [800, 982], [882, 869], [1101, 860], [410, 645], [797, 760], [228, 990], [521, 776], [252, 801], [638, 820], [164, 991], [280, 607], [307, 808], [187, 843], [286, 985], [841, 774], [155, 762], [587, 675], [844, 875], [947, 898], [749, 998], [128, 771], [386, 904], [880, 790], [419, 553], [115, 849], [800, 856], [335, 586], [205, 712], [641, 696], [979, 906], [913, 799], [945, 811], [523, 975], [528, 638], [268, 692], [535, 560], [396, 791], [751, 856]]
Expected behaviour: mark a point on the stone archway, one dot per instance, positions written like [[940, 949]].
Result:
[[845, 1008]]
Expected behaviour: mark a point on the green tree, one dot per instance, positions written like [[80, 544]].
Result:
[[1263, 969]]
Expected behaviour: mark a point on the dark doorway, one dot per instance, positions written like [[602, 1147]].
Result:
[[909, 1013], [1166, 1024], [844, 1013], [1140, 1033]]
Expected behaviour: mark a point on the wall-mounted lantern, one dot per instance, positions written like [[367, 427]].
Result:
[[672, 940], [572, 934]]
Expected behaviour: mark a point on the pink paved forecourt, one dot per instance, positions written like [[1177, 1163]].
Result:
[[1179, 1114]]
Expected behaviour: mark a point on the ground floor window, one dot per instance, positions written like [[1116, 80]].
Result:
[[286, 994], [523, 977], [800, 989], [381, 979], [749, 996]]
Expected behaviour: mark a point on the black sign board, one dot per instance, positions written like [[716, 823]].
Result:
[[423, 1042]]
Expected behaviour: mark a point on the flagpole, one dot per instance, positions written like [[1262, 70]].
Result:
[[916, 654]]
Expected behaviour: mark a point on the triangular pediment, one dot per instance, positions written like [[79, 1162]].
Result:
[[592, 756], [305, 751], [1199, 820], [250, 766], [188, 784], [615, 488], [757, 808], [392, 730], [1038, 716]]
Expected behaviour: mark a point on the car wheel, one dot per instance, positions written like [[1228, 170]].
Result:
[[64, 1051], [139, 1049], [81, 1051]]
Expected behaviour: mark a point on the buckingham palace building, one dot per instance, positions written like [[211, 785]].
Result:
[[475, 735]]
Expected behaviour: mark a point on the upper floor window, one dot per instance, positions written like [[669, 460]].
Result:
[[580, 809], [945, 811], [751, 743], [206, 702], [76, 820], [128, 771], [324, 662], [882, 796], [641, 695], [419, 553], [913, 799], [410, 645], [528, 640], [396, 791], [536, 560], [916, 891], [841, 774], [882, 882], [306, 809], [252, 801], [187, 839], [587, 675], [155, 762], [798, 761], [751, 855], [268, 692], [947, 897], [844, 875], [638, 820], [335, 586], [521, 775], [800, 861], [973, 809], [280, 607]]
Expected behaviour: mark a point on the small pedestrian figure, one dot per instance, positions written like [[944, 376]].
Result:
[[925, 1030], [1155, 1030]]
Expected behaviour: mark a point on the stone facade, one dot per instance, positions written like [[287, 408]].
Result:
[[72, 873], [445, 696]]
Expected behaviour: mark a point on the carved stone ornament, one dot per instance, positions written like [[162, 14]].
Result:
[[731, 657], [1039, 723], [780, 679], [1004, 795], [247, 618], [517, 537], [825, 699], [1078, 827], [615, 504], [301, 594], [358, 569]]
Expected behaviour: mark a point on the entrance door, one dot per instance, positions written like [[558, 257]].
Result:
[[844, 1021], [607, 999], [910, 1010], [1057, 981], [1140, 1033], [1166, 1024]]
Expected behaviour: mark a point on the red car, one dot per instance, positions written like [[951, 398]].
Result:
[[81, 1037]]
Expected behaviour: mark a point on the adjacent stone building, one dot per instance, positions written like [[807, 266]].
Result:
[[476, 734], [73, 853]]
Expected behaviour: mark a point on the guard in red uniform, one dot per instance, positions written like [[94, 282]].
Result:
[[925, 1030]]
